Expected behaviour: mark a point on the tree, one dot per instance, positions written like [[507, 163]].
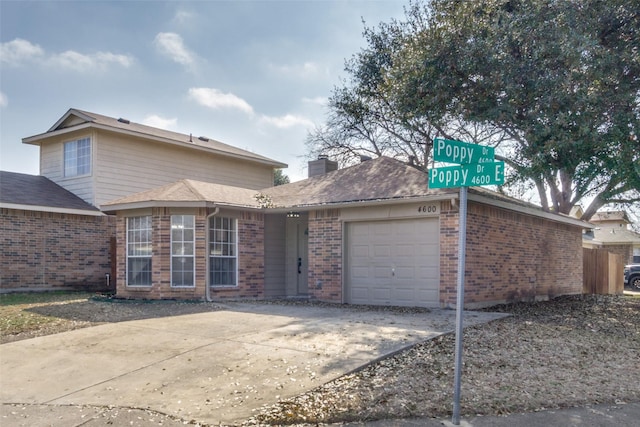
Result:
[[279, 178], [556, 83]]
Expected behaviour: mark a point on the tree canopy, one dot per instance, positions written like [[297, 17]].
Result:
[[554, 84]]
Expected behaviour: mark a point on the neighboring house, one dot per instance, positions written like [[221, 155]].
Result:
[[613, 234], [96, 158], [51, 238], [368, 234], [101, 158]]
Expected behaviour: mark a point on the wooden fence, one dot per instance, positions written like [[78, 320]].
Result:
[[602, 272]]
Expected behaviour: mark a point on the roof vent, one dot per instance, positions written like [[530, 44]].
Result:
[[203, 138], [125, 121]]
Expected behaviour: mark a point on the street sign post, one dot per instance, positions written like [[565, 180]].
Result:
[[468, 175], [476, 166]]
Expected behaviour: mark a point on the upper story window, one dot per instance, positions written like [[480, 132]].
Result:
[[77, 157]]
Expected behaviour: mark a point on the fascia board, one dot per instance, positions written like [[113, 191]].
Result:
[[170, 204], [363, 203], [49, 209]]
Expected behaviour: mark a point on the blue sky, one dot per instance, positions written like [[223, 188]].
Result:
[[254, 74]]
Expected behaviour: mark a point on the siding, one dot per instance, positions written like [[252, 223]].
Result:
[[134, 165], [52, 166]]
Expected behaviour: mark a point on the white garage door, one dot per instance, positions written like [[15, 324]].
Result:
[[393, 263]]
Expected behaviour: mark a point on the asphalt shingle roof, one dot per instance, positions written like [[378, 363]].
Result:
[[188, 190], [382, 178], [75, 117], [34, 190]]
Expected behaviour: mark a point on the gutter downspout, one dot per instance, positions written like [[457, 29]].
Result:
[[207, 287]]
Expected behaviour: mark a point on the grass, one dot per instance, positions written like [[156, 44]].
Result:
[[15, 314]]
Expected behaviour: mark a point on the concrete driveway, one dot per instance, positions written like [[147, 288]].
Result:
[[211, 367]]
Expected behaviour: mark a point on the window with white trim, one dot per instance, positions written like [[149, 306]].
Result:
[[223, 263], [77, 157], [139, 251], [182, 250]]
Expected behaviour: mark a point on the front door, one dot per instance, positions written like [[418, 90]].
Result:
[[297, 255]]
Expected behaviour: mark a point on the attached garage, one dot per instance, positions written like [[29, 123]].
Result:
[[393, 262]]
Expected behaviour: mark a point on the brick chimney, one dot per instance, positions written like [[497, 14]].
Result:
[[321, 166]]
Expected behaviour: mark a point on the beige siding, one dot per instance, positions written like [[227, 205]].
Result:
[[52, 166], [127, 166]]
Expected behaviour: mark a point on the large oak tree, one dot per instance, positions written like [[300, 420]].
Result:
[[554, 83]]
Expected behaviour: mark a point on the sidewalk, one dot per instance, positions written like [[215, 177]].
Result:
[[622, 415]]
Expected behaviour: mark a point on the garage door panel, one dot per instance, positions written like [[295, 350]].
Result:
[[381, 250], [394, 262]]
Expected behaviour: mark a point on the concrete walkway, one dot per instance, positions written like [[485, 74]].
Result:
[[214, 368]]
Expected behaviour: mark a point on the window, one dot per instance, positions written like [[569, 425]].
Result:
[[182, 250], [139, 251], [77, 157], [222, 251]]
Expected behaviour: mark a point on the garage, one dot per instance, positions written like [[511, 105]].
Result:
[[393, 262]]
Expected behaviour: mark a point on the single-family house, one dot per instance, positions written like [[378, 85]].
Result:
[[613, 234], [373, 233], [192, 218], [91, 158]]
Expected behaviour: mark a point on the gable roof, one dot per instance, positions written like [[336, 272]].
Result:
[[616, 236], [76, 119], [187, 193], [611, 216], [33, 192], [379, 179]]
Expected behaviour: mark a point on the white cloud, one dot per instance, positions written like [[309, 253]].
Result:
[[159, 122], [18, 51], [98, 61], [318, 100], [287, 121], [305, 70], [182, 17], [213, 98], [172, 46], [4, 101]]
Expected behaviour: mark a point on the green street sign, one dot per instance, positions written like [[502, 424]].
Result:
[[449, 151], [467, 175]]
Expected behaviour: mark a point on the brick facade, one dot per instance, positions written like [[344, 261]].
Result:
[[325, 255], [49, 251], [512, 256], [250, 260]]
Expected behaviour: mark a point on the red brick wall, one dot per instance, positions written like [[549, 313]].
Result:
[[511, 257], [250, 268], [48, 251], [325, 255], [250, 259]]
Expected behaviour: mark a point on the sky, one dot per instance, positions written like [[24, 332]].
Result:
[[253, 74]]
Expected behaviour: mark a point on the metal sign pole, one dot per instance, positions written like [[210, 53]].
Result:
[[462, 244]]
